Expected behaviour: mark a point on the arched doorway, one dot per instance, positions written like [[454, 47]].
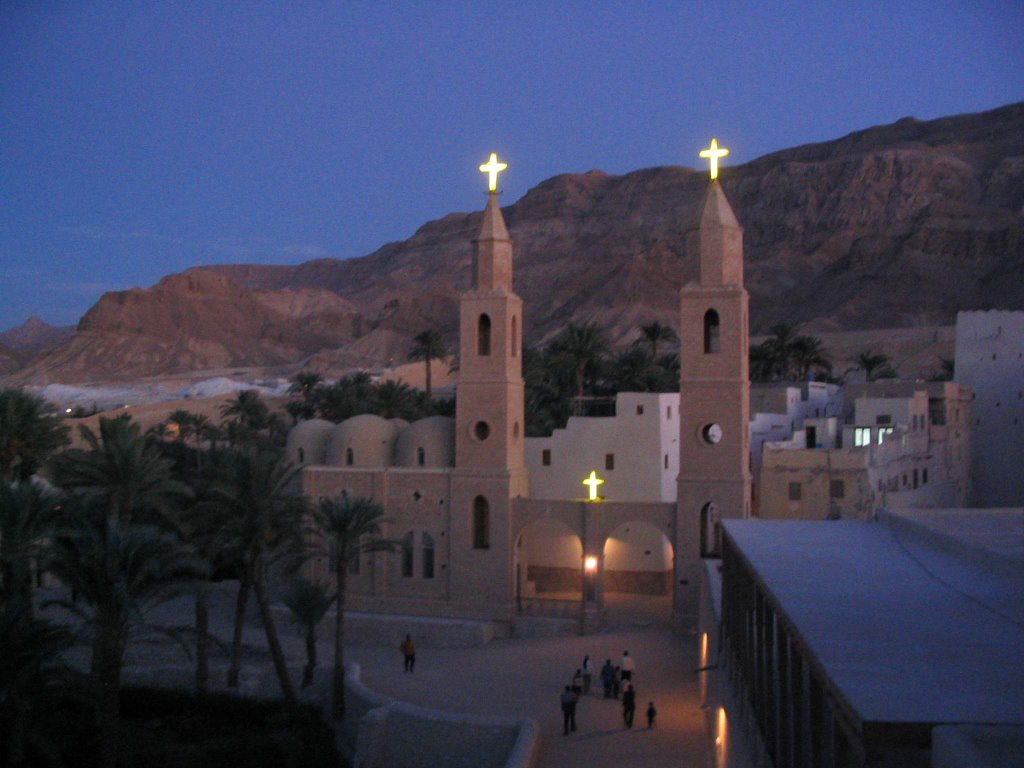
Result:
[[548, 570], [637, 575]]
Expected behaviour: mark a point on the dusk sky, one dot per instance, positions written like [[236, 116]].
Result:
[[139, 139]]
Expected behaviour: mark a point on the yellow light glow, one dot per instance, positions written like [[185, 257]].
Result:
[[721, 738], [592, 482], [492, 168], [712, 153], [704, 649], [590, 564]]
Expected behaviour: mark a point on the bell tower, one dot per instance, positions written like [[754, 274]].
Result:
[[714, 394], [490, 468]]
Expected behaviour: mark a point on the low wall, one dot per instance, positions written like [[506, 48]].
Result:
[[386, 733], [557, 579]]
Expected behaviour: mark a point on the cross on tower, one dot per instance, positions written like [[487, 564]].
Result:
[[592, 482], [712, 153], [492, 168]]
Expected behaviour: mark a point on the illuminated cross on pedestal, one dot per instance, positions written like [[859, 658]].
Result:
[[492, 168], [712, 153], [592, 482]]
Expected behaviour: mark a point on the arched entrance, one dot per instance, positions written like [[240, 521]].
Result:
[[637, 575], [548, 570]]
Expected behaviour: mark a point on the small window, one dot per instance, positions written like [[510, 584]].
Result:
[[837, 489], [668, 413], [481, 523], [483, 336], [545, 457], [350, 457], [861, 436], [639, 410], [711, 332], [915, 478], [515, 337], [795, 492], [421, 457], [407, 541], [609, 461], [302, 456], [666, 461], [883, 432], [428, 556], [883, 418], [482, 430], [924, 476]]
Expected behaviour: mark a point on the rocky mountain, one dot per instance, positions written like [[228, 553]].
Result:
[[31, 339], [894, 226]]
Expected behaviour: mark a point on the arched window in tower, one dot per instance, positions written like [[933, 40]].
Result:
[[711, 329], [483, 336], [515, 336], [427, 556], [710, 531], [407, 542], [349, 457], [481, 523]]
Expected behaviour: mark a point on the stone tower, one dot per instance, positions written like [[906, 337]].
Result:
[[714, 390], [489, 426]]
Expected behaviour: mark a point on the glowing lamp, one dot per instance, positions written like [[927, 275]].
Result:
[[590, 564], [592, 482], [704, 649], [492, 168], [712, 153]]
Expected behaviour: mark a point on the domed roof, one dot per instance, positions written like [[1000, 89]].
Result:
[[307, 442], [362, 441], [434, 436]]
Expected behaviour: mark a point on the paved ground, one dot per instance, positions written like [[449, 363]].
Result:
[[521, 677]]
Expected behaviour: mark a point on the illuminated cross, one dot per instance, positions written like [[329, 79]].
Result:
[[712, 153], [492, 168], [592, 482]]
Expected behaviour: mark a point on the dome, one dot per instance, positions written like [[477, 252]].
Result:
[[362, 441], [428, 442], [307, 442]]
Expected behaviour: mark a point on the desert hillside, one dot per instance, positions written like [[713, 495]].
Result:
[[895, 226]]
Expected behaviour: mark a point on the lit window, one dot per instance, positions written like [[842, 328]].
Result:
[[861, 436], [882, 432]]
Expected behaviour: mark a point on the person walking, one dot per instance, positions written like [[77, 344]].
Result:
[[568, 699], [408, 650], [628, 666], [588, 672], [617, 682], [577, 683], [651, 714], [629, 706], [607, 678]]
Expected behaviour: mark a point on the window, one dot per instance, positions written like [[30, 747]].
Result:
[[924, 476], [545, 457], [483, 336], [639, 410], [795, 492], [481, 523], [668, 412], [407, 555], [711, 330], [710, 531], [481, 430], [427, 559], [837, 489], [882, 432], [350, 457], [421, 457], [515, 337], [861, 436], [609, 461], [883, 418], [915, 478], [666, 461], [302, 456]]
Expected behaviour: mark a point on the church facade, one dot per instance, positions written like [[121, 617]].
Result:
[[476, 540]]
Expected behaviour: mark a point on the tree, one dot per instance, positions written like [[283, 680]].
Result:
[[875, 367], [257, 522], [428, 345], [247, 410], [27, 513], [308, 601], [653, 333], [808, 354], [580, 346], [396, 400], [347, 397], [29, 432], [304, 383], [119, 572], [353, 527], [124, 470]]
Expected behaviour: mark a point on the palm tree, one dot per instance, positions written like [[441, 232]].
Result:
[[119, 572], [633, 370], [875, 367], [303, 383], [779, 347], [348, 396], [428, 345], [247, 409], [29, 432], [183, 421], [580, 346], [396, 400], [257, 522], [353, 526], [124, 470], [808, 353], [27, 514], [655, 332], [308, 601]]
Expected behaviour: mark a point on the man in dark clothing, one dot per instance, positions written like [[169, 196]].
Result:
[[607, 678], [568, 711], [629, 706]]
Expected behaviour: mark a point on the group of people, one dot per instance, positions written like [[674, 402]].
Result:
[[617, 680]]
